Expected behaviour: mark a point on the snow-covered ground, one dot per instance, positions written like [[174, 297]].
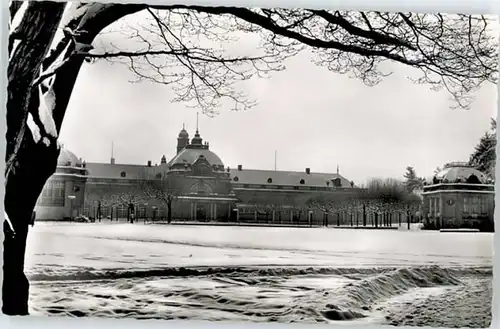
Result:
[[246, 273]]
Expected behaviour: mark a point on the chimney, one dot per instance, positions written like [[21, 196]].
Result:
[[112, 160], [308, 171], [149, 163], [240, 167]]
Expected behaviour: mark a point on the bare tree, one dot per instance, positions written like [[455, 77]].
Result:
[[328, 204], [386, 197], [129, 196], [455, 52], [163, 189], [261, 205]]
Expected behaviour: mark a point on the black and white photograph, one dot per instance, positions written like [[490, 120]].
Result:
[[228, 163]]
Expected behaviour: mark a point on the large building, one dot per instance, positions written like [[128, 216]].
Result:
[[195, 184], [459, 196]]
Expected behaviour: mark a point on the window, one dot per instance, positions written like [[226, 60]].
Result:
[[434, 207], [302, 181], [484, 206], [53, 194], [466, 206], [269, 180], [246, 186], [236, 178], [201, 169], [123, 174], [475, 205]]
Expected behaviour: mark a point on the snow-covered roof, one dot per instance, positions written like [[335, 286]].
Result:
[[68, 158], [286, 178], [453, 172]]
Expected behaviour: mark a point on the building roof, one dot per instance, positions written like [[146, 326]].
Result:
[[183, 133], [190, 155], [115, 171], [245, 176], [460, 171], [285, 178], [68, 158]]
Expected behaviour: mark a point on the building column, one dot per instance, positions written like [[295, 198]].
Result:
[[255, 215], [291, 215], [215, 211], [237, 214], [195, 211], [274, 215]]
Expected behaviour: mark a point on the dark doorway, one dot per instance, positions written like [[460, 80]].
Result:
[[201, 212]]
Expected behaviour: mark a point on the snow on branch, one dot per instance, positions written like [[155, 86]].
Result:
[[18, 14], [33, 127], [57, 64], [46, 109]]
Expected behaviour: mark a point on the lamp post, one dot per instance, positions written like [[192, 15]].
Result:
[[71, 198]]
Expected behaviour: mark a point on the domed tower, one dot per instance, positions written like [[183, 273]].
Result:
[[163, 160], [459, 196], [182, 140], [197, 140]]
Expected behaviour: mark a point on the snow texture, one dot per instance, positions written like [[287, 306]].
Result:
[[35, 130], [258, 274], [45, 109]]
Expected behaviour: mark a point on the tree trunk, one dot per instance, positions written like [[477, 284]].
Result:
[[376, 220], [364, 215], [28, 164], [399, 219], [169, 212]]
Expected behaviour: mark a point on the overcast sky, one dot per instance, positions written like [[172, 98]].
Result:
[[312, 117]]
